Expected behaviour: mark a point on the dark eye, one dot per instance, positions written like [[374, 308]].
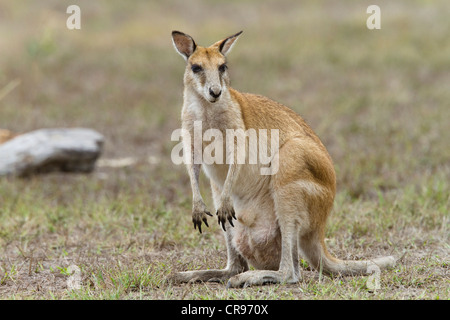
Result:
[[223, 67], [196, 68]]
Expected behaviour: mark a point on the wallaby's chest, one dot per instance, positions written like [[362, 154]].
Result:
[[222, 115]]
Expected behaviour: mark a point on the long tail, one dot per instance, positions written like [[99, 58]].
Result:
[[318, 256]]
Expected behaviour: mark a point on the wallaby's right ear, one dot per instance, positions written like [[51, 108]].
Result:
[[183, 43]]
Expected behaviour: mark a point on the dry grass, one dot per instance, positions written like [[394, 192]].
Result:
[[378, 99]]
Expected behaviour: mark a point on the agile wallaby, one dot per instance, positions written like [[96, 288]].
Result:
[[267, 219]]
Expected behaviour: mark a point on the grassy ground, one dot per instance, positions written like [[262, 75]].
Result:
[[378, 99]]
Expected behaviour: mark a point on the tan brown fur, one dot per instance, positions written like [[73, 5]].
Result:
[[268, 219], [6, 135]]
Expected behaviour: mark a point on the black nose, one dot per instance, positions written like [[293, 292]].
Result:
[[215, 95]]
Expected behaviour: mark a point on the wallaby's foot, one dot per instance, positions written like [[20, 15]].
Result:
[[259, 277], [203, 276]]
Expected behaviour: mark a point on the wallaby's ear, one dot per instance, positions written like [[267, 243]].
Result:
[[226, 44], [183, 43]]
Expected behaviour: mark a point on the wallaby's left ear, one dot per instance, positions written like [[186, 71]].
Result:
[[183, 43], [226, 44]]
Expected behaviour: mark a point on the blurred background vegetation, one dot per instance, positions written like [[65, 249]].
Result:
[[378, 99]]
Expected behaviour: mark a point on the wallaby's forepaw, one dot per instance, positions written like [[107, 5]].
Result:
[[199, 214], [226, 213]]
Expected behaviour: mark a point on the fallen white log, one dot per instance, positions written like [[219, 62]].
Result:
[[68, 150]]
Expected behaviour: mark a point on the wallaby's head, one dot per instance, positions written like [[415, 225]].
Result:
[[206, 70]]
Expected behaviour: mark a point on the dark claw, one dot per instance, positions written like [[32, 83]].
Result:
[[222, 219], [233, 214], [208, 213], [230, 220], [199, 224], [195, 226]]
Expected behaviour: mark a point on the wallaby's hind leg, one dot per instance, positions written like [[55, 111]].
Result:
[[288, 219], [293, 219], [288, 271], [235, 262], [235, 265]]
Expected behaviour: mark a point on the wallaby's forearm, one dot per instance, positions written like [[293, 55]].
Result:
[[194, 173]]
